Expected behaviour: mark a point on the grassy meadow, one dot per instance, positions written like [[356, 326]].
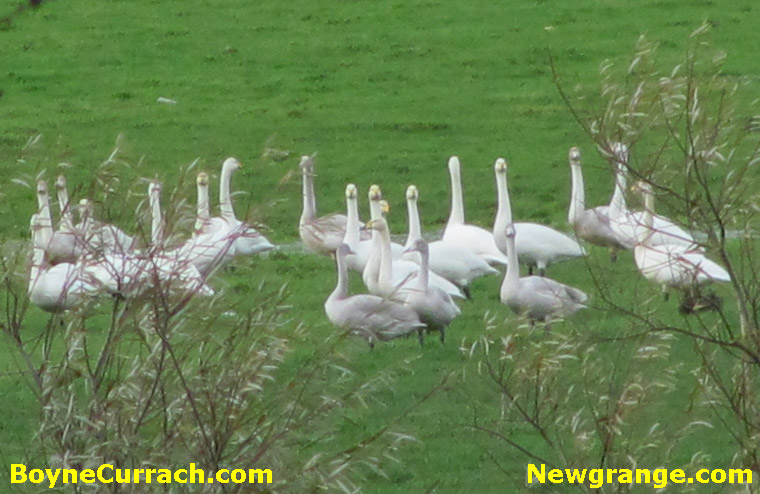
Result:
[[384, 92]]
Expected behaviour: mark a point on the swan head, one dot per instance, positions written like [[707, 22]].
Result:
[[351, 191], [306, 164], [379, 225], [374, 193], [500, 166], [641, 187], [42, 189], [419, 245], [85, 207], [231, 164], [454, 164], [60, 182], [412, 194], [202, 179], [343, 250], [509, 231], [385, 207], [154, 188], [575, 156]]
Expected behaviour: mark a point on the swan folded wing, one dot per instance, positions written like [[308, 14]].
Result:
[[553, 293], [703, 268], [382, 318]]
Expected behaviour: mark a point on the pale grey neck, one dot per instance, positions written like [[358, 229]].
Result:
[[414, 223], [352, 235], [341, 289], [424, 272], [156, 226], [512, 278], [645, 234], [577, 195], [504, 210], [617, 202], [457, 205], [225, 202], [385, 277], [67, 220], [309, 202], [203, 205]]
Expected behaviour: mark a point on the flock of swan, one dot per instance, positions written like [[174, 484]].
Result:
[[414, 287], [78, 262]]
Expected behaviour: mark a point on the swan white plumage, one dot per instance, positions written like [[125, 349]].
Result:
[[434, 306], [629, 225], [538, 297], [394, 275], [360, 249], [324, 234], [55, 288], [372, 262], [537, 245], [477, 240], [370, 316], [451, 261], [671, 265], [101, 238], [591, 225]]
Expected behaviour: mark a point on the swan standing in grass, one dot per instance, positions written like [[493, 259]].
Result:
[[361, 249], [591, 225], [324, 234], [538, 297], [477, 240], [434, 306], [537, 245], [672, 265], [628, 225], [55, 288], [394, 275], [451, 261], [370, 316]]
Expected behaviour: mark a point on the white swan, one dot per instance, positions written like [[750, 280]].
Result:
[[63, 245], [101, 238], [324, 234], [361, 249], [434, 306], [628, 225], [55, 288], [372, 263], [477, 240], [370, 316], [221, 238], [538, 297], [451, 261], [537, 245], [591, 225], [671, 265], [394, 275]]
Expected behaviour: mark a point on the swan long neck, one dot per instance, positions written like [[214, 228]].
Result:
[[352, 236], [457, 205], [38, 256], [645, 234], [415, 231], [156, 226], [504, 210], [577, 195], [67, 220], [203, 214], [424, 273], [225, 202], [385, 276], [44, 228], [617, 202], [309, 201], [512, 277], [341, 288]]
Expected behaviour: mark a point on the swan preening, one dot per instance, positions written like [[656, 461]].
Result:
[[80, 261], [536, 245]]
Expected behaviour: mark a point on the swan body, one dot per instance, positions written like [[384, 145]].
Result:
[[629, 226], [477, 240], [451, 261], [434, 306], [320, 234], [55, 288], [592, 225], [538, 297], [672, 265], [370, 316], [537, 245], [394, 275]]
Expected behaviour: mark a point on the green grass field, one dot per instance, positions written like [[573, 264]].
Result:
[[384, 92]]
